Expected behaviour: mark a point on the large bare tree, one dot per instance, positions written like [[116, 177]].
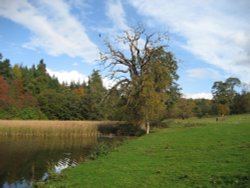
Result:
[[144, 70]]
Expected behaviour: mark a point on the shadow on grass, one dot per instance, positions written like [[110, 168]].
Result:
[[238, 181]]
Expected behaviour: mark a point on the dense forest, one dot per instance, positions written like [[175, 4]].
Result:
[[31, 93]]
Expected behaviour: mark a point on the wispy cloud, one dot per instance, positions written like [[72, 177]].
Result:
[[116, 13], [215, 31], [115, 16], [52, 26], [204, 73]]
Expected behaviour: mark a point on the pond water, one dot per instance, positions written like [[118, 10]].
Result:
[[24, 160]]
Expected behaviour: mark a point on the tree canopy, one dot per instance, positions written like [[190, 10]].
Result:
[[224, 93]]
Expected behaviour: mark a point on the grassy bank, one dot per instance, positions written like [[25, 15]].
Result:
[[196, 153], [51, 128]]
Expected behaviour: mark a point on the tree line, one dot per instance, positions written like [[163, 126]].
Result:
[[31, 93], [145, 90], [229, 97]]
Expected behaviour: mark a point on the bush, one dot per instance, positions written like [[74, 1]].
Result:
[[30, 113], [122, 129], [26, 113], [100, 150]]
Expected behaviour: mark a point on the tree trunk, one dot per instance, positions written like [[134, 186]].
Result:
[[147, 127]]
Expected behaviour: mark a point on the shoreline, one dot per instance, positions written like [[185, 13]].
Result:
[[206, 155]]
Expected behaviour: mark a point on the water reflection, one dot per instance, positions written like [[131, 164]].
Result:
[[26, 159]]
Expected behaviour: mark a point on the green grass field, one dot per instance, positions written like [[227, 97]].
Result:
[[191, 153]]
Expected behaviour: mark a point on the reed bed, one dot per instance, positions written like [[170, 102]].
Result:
[[51, 128]]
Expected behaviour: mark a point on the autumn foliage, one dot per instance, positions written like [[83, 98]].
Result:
[[4, 93]]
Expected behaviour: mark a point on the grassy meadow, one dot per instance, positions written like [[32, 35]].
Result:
[[190, 153], [51, 128]]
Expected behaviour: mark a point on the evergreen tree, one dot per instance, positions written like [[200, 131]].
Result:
[[93, 99], [5, 68]]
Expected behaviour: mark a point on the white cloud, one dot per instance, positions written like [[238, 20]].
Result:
[[108, 83], [54, 29], [204, 73], [116, 13], [215, 31], [75, 76], [68, 76], [198, 96]]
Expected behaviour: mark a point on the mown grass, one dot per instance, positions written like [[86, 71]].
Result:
[[51, 128], [192, 153]]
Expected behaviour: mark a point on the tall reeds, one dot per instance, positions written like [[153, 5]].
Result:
[[51, 128]]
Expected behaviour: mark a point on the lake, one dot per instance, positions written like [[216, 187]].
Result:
[[24, 160]]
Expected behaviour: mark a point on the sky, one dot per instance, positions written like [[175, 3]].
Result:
[[210, 38]]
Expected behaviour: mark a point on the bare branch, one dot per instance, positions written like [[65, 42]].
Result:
[[134, 64]]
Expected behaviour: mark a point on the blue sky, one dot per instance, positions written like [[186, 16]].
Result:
[[210, 38]]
